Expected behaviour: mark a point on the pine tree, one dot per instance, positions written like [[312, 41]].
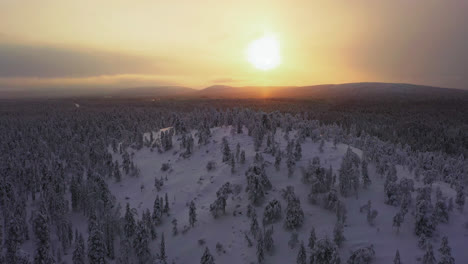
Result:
[[322, 143], [79, 252], [294, 214], [366, 181], [12, 241], [226, 150], [278, 160], [140, 243], [428, 257], [96, 246], [260, 248], [232, 163], [424, 221], [157, 211], [325, 252], [146, 218], [175, 231], [117, 174], [242, 157], [129, 226], [460, 198], [298, 151], [338, 236], [166, 204], [398, 220], [445, 252], [162, 251], [268, 240], [192, 214], [42, 233], [254, 228], [207, 258], [397, 260], [272, 212], [301, 255], [312, 239]]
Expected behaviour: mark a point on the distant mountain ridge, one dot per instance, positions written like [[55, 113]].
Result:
[[346, 91], [334, 91]]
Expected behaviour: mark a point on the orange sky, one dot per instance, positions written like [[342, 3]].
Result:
[[122, 43]]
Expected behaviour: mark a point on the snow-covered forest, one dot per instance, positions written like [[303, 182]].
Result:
[[232, 181]]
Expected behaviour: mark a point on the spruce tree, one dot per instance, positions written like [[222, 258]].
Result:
[[79, 252], [428, 257], [366, 181], [260, 248], [397, 260], [445, 252], [157, 211], [96, 246], [192, 214], [129, 225], [312, 239], [42, 233], [162, 251], [207, 258], [301, 255], [338, 236], [140, 243]]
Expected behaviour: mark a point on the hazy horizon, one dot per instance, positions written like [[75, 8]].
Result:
[[116, 44]]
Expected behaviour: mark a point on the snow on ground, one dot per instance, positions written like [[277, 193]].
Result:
[[189, 179]]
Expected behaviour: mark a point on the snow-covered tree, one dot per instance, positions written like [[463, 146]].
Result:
[[363, 255], [162, 257], [157, 211], [445, 252], [226, 151], [298, 151], [79, 256], [272, 212], [257, 184], [192, 214], [424, 221], [325, 252], [441, 214], [96, 246], [366, 181], [397, 260], [428, 257], [349, 173], [294, 214], [312, 239], [301, 255], [460, 198], [268, 240], [42, 233], [260, 248], [207, 258], [140, 243], [129, 224], [338, 236]]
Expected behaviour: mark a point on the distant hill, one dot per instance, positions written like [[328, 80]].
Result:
[[347, 91], [158, 91]]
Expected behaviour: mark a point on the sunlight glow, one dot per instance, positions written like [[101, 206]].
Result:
[[264, 53]]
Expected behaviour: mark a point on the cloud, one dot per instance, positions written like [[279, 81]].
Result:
[[225, 80], [23, 61]]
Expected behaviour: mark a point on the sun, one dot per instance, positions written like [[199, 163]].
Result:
[[264, 53]]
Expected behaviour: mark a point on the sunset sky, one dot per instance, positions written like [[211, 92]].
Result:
[[123, 43]]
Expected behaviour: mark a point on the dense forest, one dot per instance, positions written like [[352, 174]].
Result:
[[58, 157]]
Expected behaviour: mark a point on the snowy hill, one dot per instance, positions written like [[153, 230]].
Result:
[[188, 179]]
